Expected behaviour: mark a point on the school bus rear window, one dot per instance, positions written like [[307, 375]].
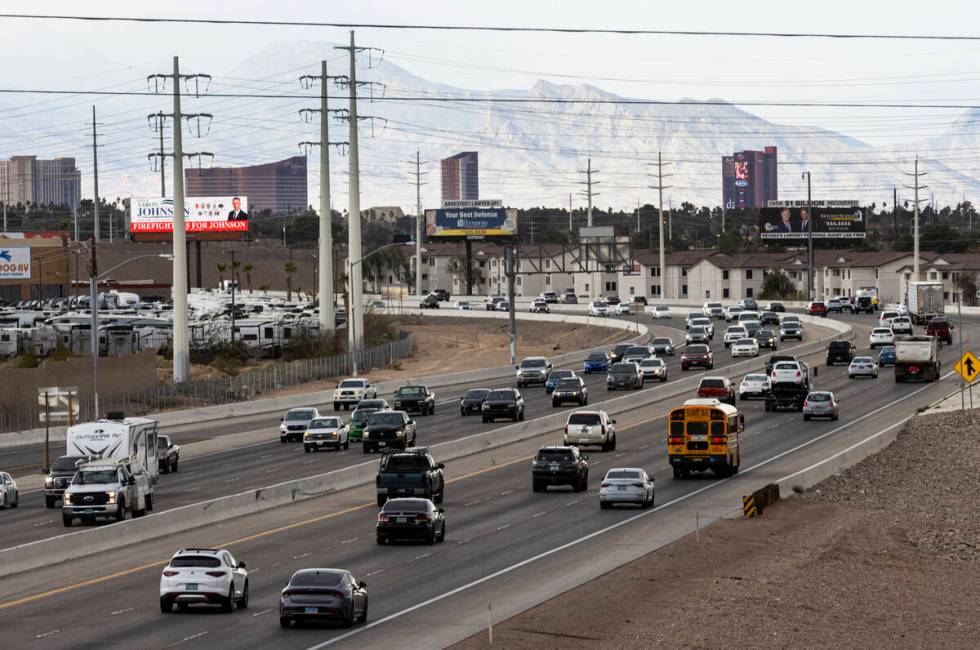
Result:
[[677, 428]]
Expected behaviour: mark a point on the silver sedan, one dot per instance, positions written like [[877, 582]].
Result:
[[821, 404], [863, 367], [626, 485]]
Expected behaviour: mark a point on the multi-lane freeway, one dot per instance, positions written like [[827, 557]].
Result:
[[504, 544]]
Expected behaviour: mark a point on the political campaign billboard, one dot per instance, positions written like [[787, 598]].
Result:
[[471, 223], [15, 262], [829, 220], [201, 214]]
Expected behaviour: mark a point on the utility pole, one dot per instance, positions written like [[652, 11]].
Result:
[[511, 272], [181, 342], [328, 321], [589, 195], [809, 238], [570, 213], [93, 274], [95, 174], [915, 220], [894, 217], [418, 222], [660, 187]]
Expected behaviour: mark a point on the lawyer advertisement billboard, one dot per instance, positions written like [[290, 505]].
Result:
[[201, 214], [829, 220], [471, 222]]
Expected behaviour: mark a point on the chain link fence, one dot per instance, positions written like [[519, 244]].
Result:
[[246, 386]]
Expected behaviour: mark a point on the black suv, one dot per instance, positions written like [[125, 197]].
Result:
[[471, 403], [441, 295], [58, 478], [625, 376], [503, 403], [560, 466], [415, 399], [618, 351], [429, 302], [409, 473], [387, 430], [769, 318], [570, 390], [839, 351]]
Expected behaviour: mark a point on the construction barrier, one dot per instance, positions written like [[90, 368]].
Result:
[[754, 504]]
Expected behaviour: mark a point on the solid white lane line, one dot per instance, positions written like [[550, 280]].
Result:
[[607, 529], [120, 611], [262, 611]]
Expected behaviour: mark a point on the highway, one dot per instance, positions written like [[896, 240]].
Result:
[[494, 522], [257, 465]]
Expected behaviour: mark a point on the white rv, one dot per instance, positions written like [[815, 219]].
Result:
[[130, 439]]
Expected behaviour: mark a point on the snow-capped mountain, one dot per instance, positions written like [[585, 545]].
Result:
[[532, 148]]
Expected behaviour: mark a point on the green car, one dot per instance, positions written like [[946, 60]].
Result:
[[360, 416]]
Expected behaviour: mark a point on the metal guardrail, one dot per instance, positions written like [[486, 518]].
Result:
[[245, 386]]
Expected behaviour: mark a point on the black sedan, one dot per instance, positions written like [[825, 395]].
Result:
[[314, 595], [570, 390], [388, 430], [663, 345], [415, 519], [471, 403], [429, 302], [503, 403], [767, 339], [777, 307], [769, 318], [417, 399]]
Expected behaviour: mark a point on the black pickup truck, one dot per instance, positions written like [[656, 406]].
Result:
[[415, 399], [410, 473]]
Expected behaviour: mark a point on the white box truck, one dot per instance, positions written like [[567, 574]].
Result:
[[916, 359], [130, 439], [924, 300]]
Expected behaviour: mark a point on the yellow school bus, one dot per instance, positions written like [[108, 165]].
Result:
[[703, 434]]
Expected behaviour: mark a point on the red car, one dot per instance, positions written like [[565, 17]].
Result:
[[697, 355], [941, 328], [817, 309], [721, 388]]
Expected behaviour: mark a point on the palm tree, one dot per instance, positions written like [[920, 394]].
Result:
[[221, 274], [247, 268], [235, 273], [290, 268]]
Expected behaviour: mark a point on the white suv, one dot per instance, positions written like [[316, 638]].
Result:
[[203, 575], [590, 428], [533, 370], [734, 333], [598, 308], [902, 325]]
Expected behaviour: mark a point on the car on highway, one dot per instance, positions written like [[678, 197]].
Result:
[[9, 495], [713, 310], [862, 367], [941, 328], [769, 318], [902, 325], [622, 309], [533, 370], [777, 307], [59, 476], [626, 485], [790, 318], [429, 302], [388, 430], [559, 465], [351, 391], [358, 420], [503, 403], [203, 576], [471, 402], [441, 294], [625, 376], [839, 351], [640, 300], [886, 356], [790, 330], [689, 320], [767, 339], [881, 336], [697, 334], [598, 308], [817, 308], [663, 345], [697, 355], [570, 390], [747, 347], [732, 312], [326, 432], [411, 519], [490, 304], [734, 333], [707, 324], [618, 351], [540, 307], [612, 299], [168, 454], [661, 312], [550, 297], [719, 388], [654, 368], [294, 423], [415, 399], [886, 317], [596, 362], [555, 377], [748, 304], [788, 372], [570, 299], [462, 305], [590, 428], [834, 306], [637, 353], [410, 473], [753, 386], [314, 595], [821, 404], [503, 305]]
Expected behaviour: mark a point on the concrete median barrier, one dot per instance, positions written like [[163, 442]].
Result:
[[90, 541]]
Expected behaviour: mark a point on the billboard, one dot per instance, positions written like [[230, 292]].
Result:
[[201, 214], [15, 263], [471, 223], [831, 220]]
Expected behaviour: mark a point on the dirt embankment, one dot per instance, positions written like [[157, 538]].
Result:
[[887, 555]]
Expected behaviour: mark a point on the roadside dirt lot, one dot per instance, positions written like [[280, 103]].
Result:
[[886, 555]]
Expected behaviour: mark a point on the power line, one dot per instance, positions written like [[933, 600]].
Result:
[[492, 28]]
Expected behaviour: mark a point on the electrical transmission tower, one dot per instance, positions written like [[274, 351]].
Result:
[[157, 122], [660, 187], [418, 162], [915, 174]]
